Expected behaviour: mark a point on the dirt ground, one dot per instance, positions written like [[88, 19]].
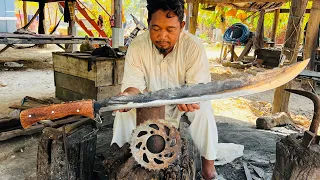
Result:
[[235, 116]]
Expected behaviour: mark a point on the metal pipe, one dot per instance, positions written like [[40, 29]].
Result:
[[153, 113]]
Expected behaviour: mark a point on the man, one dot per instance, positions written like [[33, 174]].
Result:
[[167, 57]]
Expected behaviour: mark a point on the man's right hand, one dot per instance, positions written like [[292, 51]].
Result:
[[129, 91], [123, 94]]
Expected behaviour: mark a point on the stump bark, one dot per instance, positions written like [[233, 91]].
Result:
[[51, 157], [295, 162], [122, 166]]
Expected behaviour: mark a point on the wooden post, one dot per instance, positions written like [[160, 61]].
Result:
[[117, 31], [193, 18], [297, 10], [25, 14], [71, 27], [189, 8], [223, 21], [312, 31], [258, 39], [275, 26], [41, 18], [41, 26]]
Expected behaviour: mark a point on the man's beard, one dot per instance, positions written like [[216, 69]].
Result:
[[162, 50]]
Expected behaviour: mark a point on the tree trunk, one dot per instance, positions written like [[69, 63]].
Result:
[[295, 162], [312, 31], [297, 10], [194, 18], [51, 158], [25, 14], [275, 25]]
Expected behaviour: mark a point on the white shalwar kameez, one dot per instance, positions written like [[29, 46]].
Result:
[[186, 64]]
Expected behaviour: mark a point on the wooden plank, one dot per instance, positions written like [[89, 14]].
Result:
[[45, 41], [310, 74], [75, 84], [8, 123], [67, 95], [73, 66], [275, 25], [119, 71], [109, 72], [20, 132], [49, 37], [246, 50], [104, 76], [108, 91]]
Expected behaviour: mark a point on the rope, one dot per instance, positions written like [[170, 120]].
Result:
[[228, 35]]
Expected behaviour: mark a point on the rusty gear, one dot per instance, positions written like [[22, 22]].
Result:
[[155, 144]]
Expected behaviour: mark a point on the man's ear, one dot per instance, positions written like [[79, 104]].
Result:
[[182, 24]]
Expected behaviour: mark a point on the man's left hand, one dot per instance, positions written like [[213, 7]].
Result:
[[188, 107]]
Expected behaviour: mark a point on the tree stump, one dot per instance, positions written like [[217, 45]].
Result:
[[51, 157], [121, 165], [295, 162]]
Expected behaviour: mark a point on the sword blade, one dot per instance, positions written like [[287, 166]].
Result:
[[267, 80]]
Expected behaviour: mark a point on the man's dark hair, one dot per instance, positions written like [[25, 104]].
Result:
[[176, 6]]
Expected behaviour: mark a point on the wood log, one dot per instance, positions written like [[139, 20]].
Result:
[[20, 132], [123, 165], [295, 161], [298, 7], [8, 123], [194, 18], [275, 26], [51, 161]]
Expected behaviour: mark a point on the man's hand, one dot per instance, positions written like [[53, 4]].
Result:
[[188, 107], [129, 91], [123, 110]]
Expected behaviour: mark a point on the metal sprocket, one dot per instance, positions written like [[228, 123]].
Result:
[[142, 151]]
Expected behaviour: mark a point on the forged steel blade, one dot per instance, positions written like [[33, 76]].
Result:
[[264, 81]]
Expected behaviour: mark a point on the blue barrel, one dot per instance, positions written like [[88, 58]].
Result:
[[7, 16]]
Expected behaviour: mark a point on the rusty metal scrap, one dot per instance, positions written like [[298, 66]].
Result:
[[155, 144]]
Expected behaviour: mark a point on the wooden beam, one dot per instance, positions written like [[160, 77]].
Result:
[[232, 1], [312, 31], [290, 51], [118, 13], [25, 14], [288, 11], [41, 18], [194, 18], [275, 25]]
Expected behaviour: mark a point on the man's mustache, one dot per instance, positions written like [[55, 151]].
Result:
[[162, 42]]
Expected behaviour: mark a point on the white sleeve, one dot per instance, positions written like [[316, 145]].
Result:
[[133, 74], [198, 70]]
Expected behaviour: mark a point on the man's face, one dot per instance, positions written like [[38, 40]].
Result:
[[164, 31]]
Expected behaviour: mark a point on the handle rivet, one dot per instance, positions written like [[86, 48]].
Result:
[[29, 116], [52, 112], [78, 110]]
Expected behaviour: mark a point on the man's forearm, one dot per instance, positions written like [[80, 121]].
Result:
[[133, 91]]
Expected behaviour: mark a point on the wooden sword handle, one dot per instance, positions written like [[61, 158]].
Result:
[[56, 111]]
